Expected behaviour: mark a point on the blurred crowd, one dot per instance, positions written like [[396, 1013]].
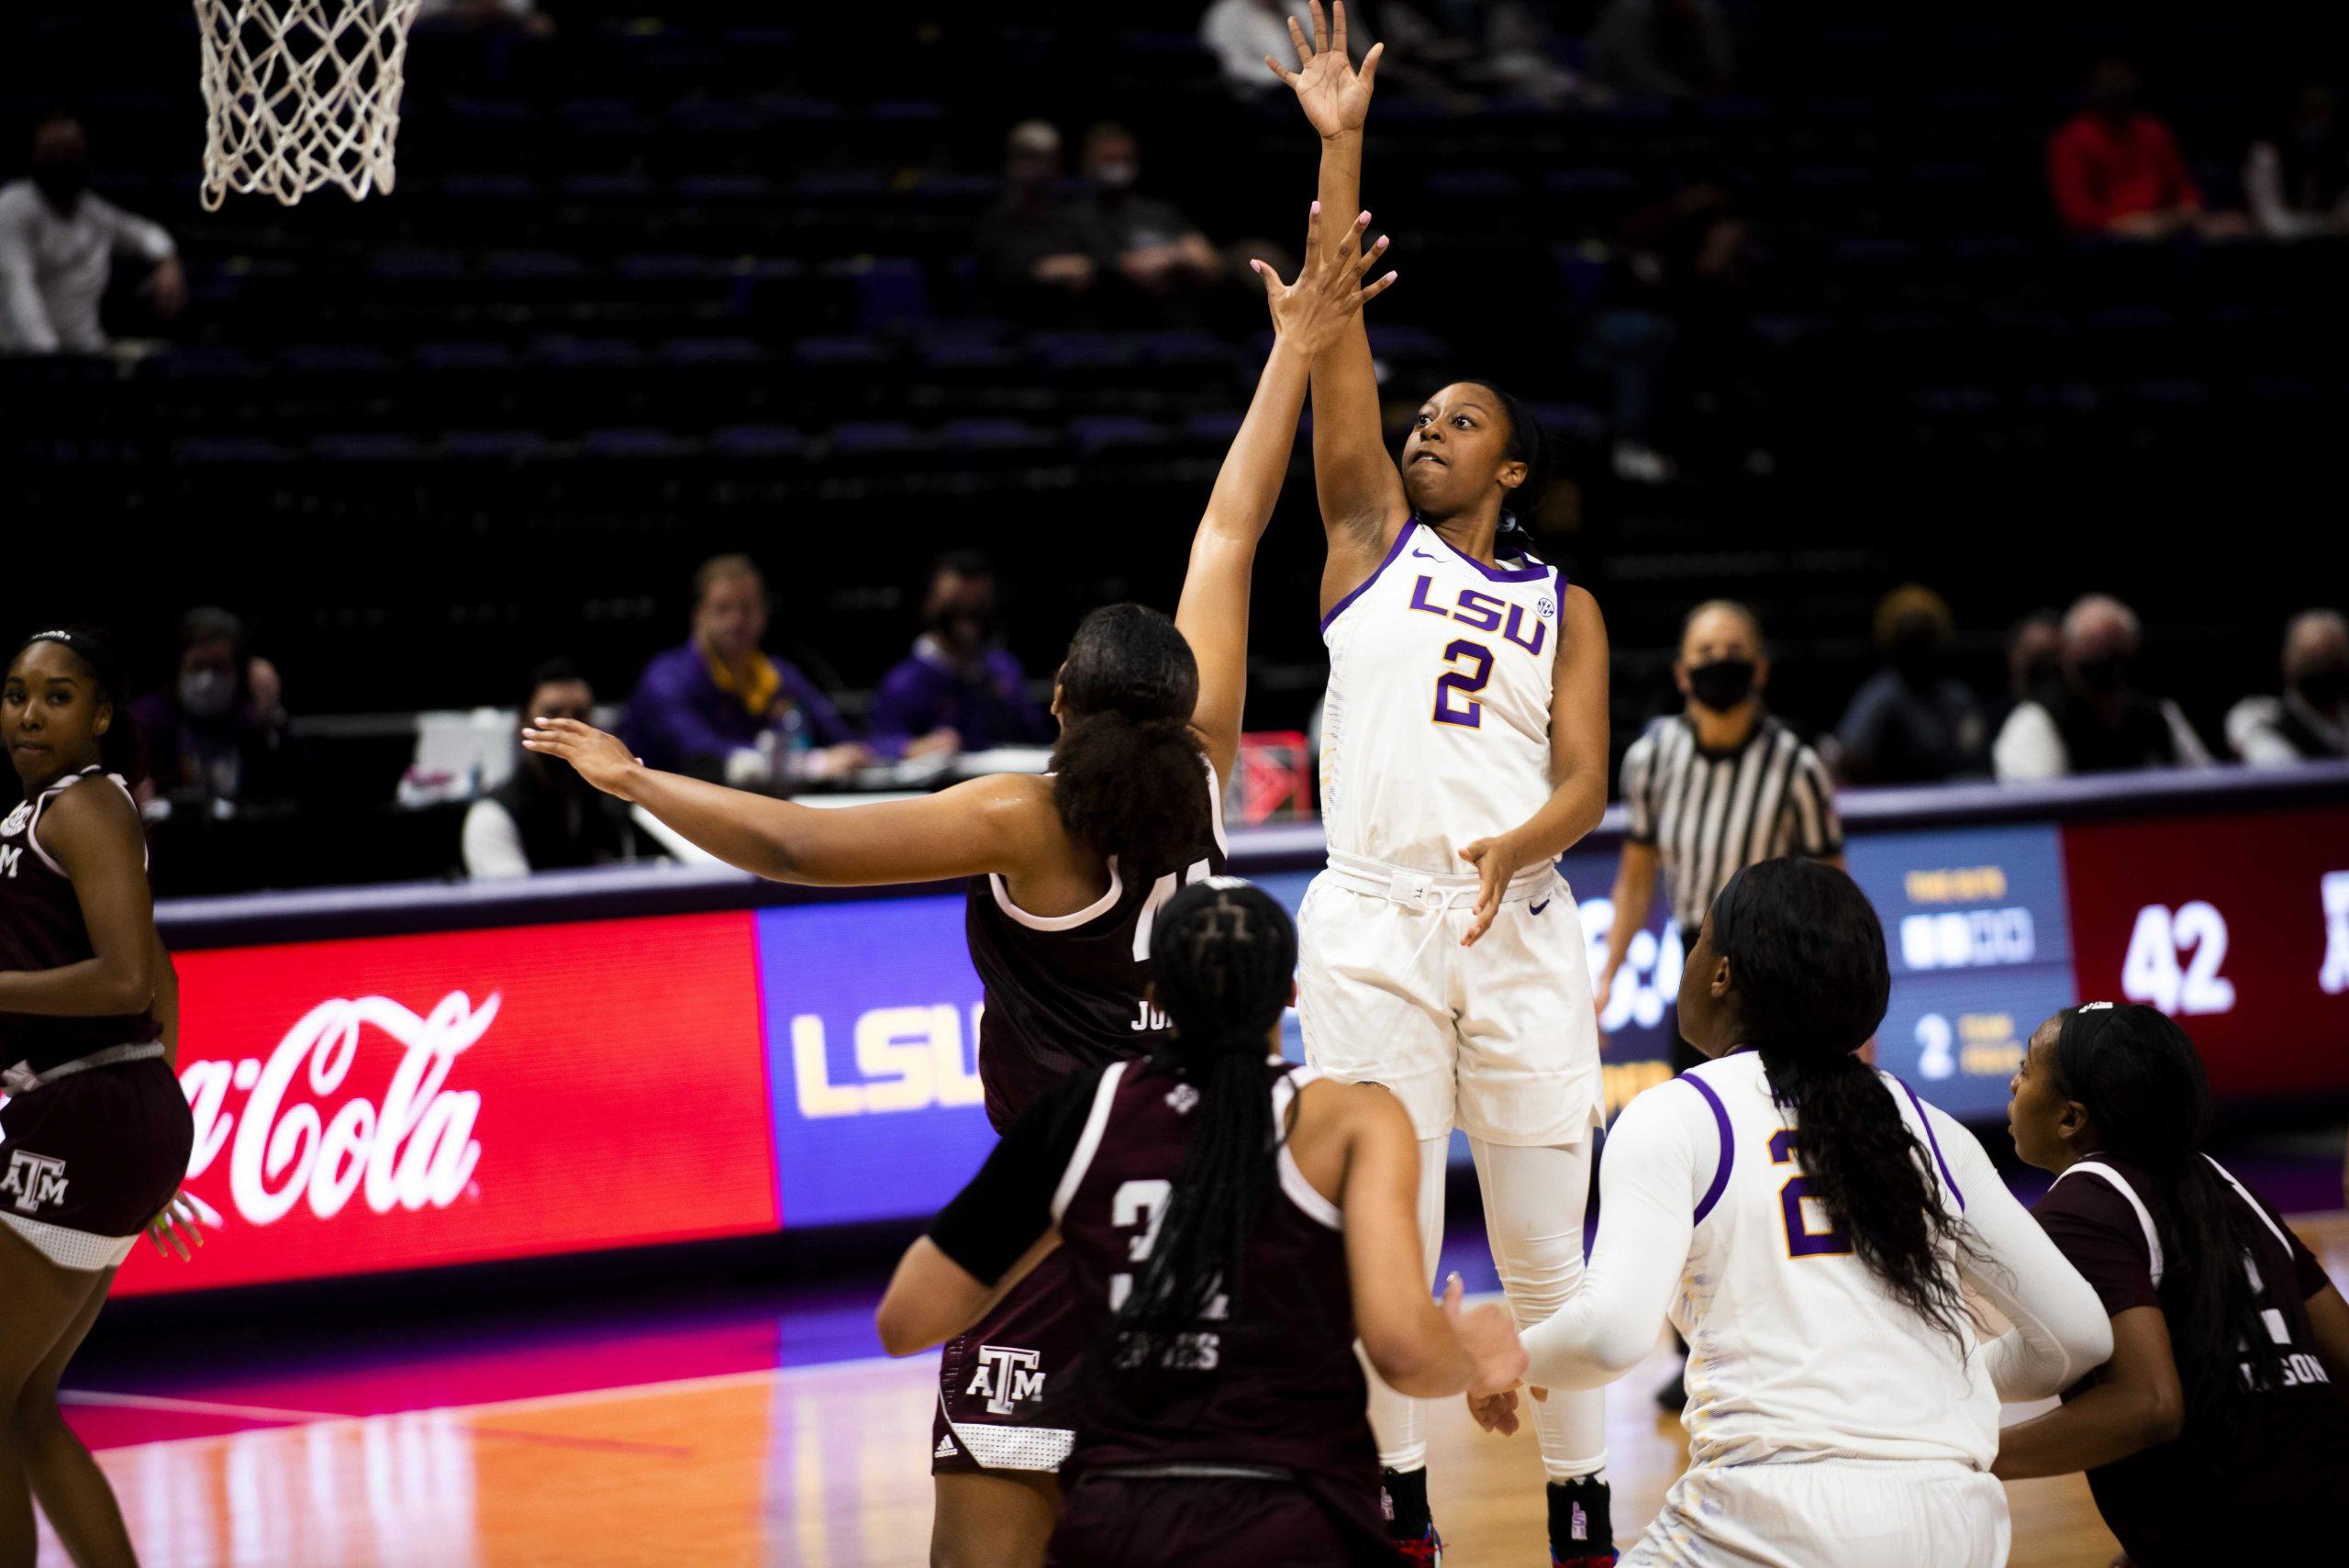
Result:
[[1084, 230], [721, 705]]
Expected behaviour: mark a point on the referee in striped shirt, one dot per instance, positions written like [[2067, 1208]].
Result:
[[1714, 787]]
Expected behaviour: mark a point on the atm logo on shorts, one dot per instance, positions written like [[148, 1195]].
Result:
[[33, 1180], [1006, 1376], [10, 857]]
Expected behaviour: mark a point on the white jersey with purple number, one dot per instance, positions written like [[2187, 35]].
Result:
[[1795, 1348], [1436, 729]]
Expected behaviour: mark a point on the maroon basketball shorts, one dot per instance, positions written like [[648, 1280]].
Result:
[[1184, 1522], [1006, 1390], [87, 1161]]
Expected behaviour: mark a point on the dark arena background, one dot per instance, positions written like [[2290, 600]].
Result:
[[1813, 313]]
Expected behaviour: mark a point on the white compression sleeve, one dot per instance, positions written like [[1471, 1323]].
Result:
[[2060, 1327], [1396, 1422], [1534, 1199], [1647, 1204]]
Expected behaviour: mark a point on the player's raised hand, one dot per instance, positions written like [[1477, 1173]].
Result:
[[1498, 860], [1334, 96], [1309, 312], [601, 759]]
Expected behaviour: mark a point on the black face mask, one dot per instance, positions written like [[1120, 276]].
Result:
[[2325, 687], [1721, 684], [2105, 675], [968, 628], [62, 181]]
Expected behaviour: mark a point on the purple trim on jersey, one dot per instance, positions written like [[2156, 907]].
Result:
[[1492, 573], [1721, 1173], [1395, 549], [1934, 1143]]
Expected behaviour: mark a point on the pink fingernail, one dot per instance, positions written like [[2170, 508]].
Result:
[[1317, 209]]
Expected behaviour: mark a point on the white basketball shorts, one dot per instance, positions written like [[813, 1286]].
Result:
[[1836, 1513], [1498, 1039]]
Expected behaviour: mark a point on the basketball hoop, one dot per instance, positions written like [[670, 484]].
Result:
[[300, 94]]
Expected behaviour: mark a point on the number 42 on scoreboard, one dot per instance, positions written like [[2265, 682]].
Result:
[[2152, 971]]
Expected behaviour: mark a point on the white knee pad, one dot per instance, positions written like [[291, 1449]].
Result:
[[1535, 1200], [1396, 1421]]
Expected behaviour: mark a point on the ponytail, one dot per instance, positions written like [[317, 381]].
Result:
[[1873, 1181], [1810, 980], [1128, 773], [1223, 955], [2140, 1079]]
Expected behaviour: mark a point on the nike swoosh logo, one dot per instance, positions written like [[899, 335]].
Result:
[[1537, 908], [1423, 555]]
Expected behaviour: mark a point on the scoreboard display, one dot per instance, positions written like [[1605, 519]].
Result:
[[2235, 924], [1979, 936]]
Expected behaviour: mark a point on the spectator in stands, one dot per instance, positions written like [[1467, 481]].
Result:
[[1240, 33], [1912, 722], [58, 242], [486, 16], [1041, 244], [219, 736], [2034, 662], [2297, 182], [545, 816], [1155, 248], [1662, 48], [719, 708], [2094, 721], [959, 689], [2114, 169], [2309, 722]]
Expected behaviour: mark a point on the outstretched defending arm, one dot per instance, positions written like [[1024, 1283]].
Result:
[[1361, 493], [969, 829], [1213, 616]]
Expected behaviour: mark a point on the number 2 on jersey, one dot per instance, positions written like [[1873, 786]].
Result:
[[1802, 1242], [1469, 714]]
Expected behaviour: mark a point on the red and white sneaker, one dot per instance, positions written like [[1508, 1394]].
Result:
[[1425, 1552]]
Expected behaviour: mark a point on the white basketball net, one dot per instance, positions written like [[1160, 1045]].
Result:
[[301, 94]]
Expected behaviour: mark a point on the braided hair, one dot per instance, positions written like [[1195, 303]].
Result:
[[1223, 961]]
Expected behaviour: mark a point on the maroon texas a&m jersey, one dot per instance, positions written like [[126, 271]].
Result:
[[1272, 1378], [1064, 992], [41, 927]]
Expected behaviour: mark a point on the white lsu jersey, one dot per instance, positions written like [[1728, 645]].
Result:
[[1436, 729], [1795, 1348]]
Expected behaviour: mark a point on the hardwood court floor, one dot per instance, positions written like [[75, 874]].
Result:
[[819, 1465]]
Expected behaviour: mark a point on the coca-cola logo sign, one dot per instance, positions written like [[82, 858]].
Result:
[[401, 1102], [415, 1149]]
